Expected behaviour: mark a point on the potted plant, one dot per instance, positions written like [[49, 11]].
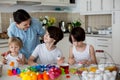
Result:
[[76, 23]]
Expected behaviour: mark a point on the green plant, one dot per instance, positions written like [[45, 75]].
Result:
[[76, 23]]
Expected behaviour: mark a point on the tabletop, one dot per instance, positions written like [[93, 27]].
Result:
[[6, 77]]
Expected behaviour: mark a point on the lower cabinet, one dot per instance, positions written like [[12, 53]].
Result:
[[64, 45], [101, 43]]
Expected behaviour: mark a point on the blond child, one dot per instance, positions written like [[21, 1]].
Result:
[[15, 44]]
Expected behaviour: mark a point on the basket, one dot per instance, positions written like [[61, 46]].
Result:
[[106, 69]]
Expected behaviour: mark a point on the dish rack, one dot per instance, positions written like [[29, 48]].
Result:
[[106, 69]]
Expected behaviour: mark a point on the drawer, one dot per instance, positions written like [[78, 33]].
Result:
[[106, 47], [104, 40]]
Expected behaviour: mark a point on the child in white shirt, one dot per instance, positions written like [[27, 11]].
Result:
[[48, 53], [14, 58], [80, 52]]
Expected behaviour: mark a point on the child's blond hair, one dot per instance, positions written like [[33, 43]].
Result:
[[15, 40]]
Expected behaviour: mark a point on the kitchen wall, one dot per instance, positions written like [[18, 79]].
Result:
[[67, 17]]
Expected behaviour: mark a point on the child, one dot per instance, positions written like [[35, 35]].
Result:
[[79, 51], [14, 57], [48, 53]]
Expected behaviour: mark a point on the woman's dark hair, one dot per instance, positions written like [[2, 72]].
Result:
[[21, 15], [55, 33], [78, 34]]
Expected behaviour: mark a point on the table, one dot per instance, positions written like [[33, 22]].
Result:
[[6, 77]]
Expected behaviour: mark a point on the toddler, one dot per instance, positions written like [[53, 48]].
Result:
[[14, 58]]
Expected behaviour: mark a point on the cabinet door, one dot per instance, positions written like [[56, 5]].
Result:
[[107, 5], [64, 45], [91, 41], [116, 35], [116, 4], [95, 5], [83, 5]]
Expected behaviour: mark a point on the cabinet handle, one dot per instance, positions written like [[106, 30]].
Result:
[[90, 5], [102, 39], [101, 4], [102, 45], [87, 5], [113, 17], [113, 4]]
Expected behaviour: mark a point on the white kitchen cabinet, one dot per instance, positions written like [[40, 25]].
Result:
[[91, 41], [116, 4], [47, 2], [116, 36], [104, 44], [64, 45], [107, 5], [100, 43], [96, 6]]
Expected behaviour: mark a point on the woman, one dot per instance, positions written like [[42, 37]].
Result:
[[27, 29]]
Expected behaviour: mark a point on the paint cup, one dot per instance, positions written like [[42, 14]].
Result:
[[65, 66]]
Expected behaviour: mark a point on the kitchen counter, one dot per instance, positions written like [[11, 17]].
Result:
[[94, 35], [100, 35], [2, 41]]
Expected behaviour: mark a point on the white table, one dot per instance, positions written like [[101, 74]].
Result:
[[14, 77]]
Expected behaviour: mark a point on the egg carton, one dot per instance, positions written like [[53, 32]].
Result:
[[106, 69]]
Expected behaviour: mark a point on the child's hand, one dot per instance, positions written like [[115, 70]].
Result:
[[5, 53], [60, 60], [71, 61], [20, 61], [4, 61], [84, 62]]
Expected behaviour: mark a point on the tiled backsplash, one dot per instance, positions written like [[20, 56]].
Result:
[[67, 17], [99, 21], [95, 21]]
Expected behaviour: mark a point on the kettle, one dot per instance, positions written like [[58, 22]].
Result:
[[62, 26]]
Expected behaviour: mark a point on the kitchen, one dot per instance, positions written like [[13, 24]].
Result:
[[99, 17]]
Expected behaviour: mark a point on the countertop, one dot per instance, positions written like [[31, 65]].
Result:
[[94, 35], [2, 41], [6, 77]]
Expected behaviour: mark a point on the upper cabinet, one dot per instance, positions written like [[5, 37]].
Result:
[[116, 4], [95, 6], [48, 2]]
